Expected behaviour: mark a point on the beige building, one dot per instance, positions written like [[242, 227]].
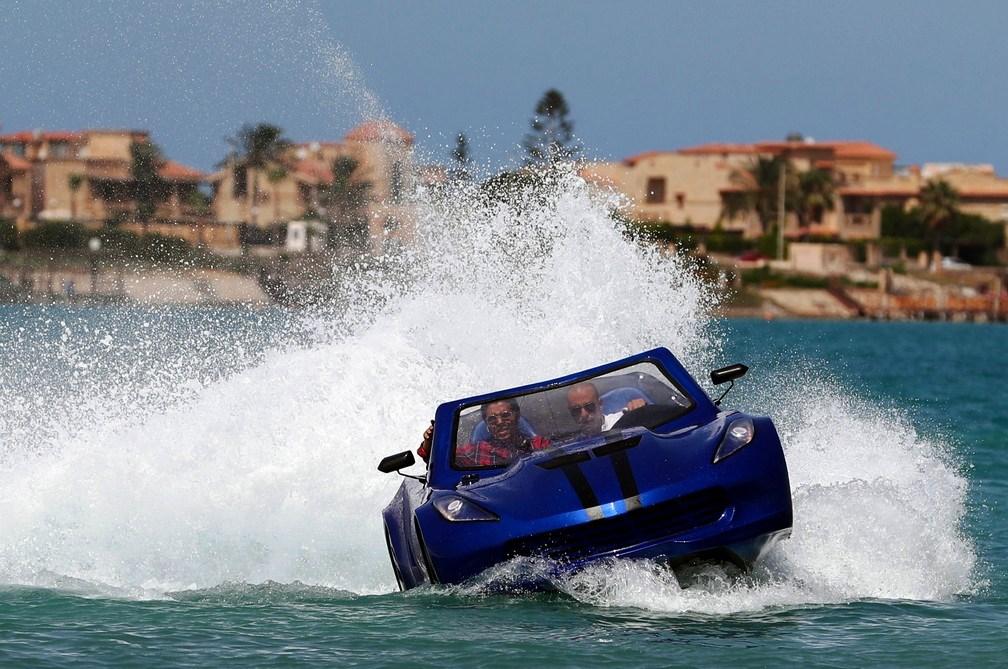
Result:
[[691, 186], [291, 188], [86, 177]]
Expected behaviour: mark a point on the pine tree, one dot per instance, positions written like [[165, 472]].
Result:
[[460, 154], [552, 137]]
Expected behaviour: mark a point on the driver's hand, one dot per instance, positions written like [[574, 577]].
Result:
[[635, 404]]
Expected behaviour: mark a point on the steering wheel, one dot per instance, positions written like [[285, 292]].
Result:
[[647, 416]]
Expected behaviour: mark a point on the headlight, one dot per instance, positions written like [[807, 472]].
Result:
[[457, 509], [739, 433]]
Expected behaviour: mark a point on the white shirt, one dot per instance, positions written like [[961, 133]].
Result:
[[610, 419]]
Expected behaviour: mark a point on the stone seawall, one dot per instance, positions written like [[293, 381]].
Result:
[[133, 285]]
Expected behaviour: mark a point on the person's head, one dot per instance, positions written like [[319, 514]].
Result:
[[585, 407], [501, 419]]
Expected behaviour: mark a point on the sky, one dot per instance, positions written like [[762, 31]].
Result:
[[924, 79]]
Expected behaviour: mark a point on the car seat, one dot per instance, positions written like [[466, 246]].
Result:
[[616, 399], [482, 433]]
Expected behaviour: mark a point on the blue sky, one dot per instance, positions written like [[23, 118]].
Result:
[[924, 79]]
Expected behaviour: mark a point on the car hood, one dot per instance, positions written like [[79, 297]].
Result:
[[599, 476]]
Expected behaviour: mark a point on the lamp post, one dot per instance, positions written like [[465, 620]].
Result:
[[94, 245], [781, 215]]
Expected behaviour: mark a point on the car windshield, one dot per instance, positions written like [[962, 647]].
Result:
[[498, 432]]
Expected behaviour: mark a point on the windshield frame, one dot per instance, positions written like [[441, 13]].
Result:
[[442, 475], [657, 371]]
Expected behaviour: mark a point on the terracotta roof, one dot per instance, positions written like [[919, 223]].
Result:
[[38, 135], [314, 171], [15, 163], [718, 149], [173, 171], [376, 131], [982, 192], [633, 160], [861, 150], [850, 149]]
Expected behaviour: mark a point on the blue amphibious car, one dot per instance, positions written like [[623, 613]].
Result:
[[661, 472]]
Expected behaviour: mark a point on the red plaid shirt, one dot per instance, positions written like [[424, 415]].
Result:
[[488, 454]]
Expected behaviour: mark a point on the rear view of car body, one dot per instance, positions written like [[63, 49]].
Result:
[[714, 491]]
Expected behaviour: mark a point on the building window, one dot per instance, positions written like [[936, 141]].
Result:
[[59, 149], [655, 190], [853, 204], [680, 200], [8, 186], [17, 148]]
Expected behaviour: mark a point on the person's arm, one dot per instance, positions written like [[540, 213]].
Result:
[[425, 443], [539, 443]]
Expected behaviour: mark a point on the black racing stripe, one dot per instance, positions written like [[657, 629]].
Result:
[[565, 460], [624, 474], [616, 446], [581, 486]]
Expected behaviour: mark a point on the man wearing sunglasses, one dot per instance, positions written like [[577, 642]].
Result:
[[506, 440], [586, 409]]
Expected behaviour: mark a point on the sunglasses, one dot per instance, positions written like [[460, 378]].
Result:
[[502, 417], [590, 407]]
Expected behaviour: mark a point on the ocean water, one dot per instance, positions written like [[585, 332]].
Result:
[[198, 486]]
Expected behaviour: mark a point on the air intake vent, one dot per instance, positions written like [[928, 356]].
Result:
[[643, 525]]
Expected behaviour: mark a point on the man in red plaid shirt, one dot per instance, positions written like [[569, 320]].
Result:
[[506, 441]]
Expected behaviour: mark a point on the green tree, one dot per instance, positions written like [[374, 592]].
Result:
[[939, 204], [463, 161], [254, 148], [816, 194], [345, 203], [551, 139], [74, 181], [148, 187]]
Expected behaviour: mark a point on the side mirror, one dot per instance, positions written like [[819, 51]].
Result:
[[729, 373], [394, 463]]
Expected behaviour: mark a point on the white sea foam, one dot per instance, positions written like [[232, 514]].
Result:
[[877, 514], [269, 474]]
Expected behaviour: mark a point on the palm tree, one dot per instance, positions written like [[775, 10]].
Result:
[[148, 186], [74, 181], [759, 186], [255, 148], [939, 204], [815, 195], [345, 201]]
